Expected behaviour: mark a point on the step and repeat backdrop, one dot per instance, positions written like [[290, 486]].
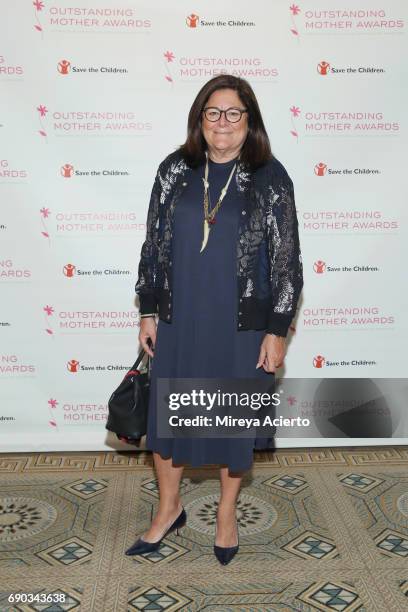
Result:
[[95, 94]]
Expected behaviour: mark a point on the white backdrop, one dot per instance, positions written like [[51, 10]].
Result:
[[94, 95]]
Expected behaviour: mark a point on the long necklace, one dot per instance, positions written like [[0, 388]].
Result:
[[209, 216]]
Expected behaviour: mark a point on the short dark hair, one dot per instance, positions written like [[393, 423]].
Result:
[[256, 150]]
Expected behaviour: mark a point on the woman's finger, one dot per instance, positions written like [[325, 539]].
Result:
[[269, 364], [143, 341], [261, 358]]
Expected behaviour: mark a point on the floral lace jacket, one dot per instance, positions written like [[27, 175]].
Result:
[[269, 262]]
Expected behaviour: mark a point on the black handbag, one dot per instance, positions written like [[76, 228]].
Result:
[[129, 403]]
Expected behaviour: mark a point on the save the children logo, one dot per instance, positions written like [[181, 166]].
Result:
[[194, 21], [70, 270], [318, 361], [325, 68], [321, 361], [65, 67], [321, 169], [72, 365], [68, 171], [320, 267]]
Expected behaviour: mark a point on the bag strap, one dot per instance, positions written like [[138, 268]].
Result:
[[140, 357]]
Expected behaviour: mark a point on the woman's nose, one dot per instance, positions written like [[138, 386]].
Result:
[[223, 120]]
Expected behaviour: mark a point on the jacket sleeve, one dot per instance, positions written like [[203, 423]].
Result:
[[286, 268], [147, 272]]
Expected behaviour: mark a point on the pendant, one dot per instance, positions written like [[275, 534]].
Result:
[[206, 234]]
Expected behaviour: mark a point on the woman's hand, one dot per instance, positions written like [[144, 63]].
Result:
[[148, 329], [272, 352]]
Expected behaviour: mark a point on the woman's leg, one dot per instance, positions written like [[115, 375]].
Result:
[[226, 516], [169, 477]]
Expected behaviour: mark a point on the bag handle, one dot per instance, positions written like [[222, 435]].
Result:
[[140, 357]]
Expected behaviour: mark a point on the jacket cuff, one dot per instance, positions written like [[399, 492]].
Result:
[[278, 324], [148, 303]]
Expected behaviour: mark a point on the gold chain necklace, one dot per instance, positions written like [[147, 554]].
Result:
[[209, 216]]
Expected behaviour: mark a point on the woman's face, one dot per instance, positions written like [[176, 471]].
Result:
[[222, 135]]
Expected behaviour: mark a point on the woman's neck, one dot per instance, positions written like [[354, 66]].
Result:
[[222, 156]]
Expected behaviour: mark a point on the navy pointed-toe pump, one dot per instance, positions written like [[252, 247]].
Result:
[[225, 554], [140, 546]]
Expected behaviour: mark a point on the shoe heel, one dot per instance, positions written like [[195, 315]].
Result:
[[179, 527]]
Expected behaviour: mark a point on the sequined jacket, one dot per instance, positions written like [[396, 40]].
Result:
[[269, 263]]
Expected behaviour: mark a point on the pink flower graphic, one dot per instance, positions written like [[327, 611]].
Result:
[[52, 405], [42, 110], [294, 10], [45, 213], [291, 400], [38, 5], [48, 310], [169, 55], [294, 113]]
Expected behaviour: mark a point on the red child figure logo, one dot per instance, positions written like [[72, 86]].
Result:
[[192, 20], [318, 361], [64, 66], [323, 67], [67, 170], [72, 365], [320, 169], [69, 270], [319, 266]]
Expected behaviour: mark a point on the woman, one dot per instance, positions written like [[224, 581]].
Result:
[[224, 274]]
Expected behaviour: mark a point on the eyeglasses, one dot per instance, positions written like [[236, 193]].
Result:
[[233, 115]]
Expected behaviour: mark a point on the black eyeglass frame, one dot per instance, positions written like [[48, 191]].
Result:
[[241, 110]]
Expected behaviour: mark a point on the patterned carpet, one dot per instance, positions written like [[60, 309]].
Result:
[[322, 529]]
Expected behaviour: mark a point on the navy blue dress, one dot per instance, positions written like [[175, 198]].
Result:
[[203, 340]]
